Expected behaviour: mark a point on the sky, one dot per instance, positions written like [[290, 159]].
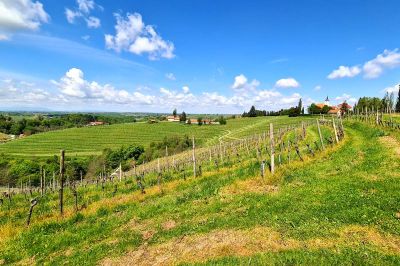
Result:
[[200, 56]]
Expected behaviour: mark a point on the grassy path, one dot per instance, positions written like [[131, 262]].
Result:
[[339, 208]]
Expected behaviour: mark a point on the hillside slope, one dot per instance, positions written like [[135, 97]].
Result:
[[340, 207], [92, 140]]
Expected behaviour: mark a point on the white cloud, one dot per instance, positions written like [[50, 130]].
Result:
[[18, 15], [394, 89], [73, 91], [185, 89], [287, 83], [93, 22], [372, 69], [85, 5], [344, 71], [375, 67], [83, 10], [71, 15], [345, 97], [134, 36], [4, 37], [170, 76], [73, 85], [317, 88], [86, 37], [241, 83]]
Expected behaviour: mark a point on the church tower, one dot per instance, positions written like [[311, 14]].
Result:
[[327, 101]]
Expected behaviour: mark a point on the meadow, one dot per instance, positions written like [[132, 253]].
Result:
[[86, 141], [337, 207]]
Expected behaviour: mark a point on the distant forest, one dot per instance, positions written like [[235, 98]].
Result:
[[41, 123]]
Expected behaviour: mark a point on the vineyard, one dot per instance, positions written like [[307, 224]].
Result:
[[306, 188], [92, 140]]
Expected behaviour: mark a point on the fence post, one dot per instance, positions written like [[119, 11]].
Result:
[[271, 137], [334, 129], [41, 181], [120, 172], [320, 136], [194, 157], [62, 170]]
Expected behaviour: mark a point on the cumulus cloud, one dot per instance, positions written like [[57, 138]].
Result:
[[317, 88], [14, 91], [83, 10], [134, 36], [372, 69], [395, 89], [19, 15], [375, 67], [345, 97], [170, 76], [73, 91], [73, 85], [241, 83], [287, 83], [185, 89], [344, 71]]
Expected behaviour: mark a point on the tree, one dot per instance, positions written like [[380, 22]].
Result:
[[325, 109], [174, 112], [199, 121], [300, 106], [252, 112], [344, 108], [221, 120], [182, 117], [398, 102], [314, 109]]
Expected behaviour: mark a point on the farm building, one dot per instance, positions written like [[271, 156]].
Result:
[[334, 110], [173, 118], [96, 123]]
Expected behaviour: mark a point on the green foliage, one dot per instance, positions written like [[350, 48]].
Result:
[[172, 144], [221, 120]]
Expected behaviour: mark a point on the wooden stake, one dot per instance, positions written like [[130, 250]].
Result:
[[271, 137], [62, 171], [194, 157], [320, 136], [334, 129]]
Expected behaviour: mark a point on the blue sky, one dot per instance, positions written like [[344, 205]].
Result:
[[197, 56]]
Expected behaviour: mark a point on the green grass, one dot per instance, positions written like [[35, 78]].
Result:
[[92, 140], [346, 197]]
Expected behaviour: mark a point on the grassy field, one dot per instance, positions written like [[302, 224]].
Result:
[[340, 207], [92, 140]]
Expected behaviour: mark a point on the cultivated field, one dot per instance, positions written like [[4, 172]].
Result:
[[92, 140], [337, 207]]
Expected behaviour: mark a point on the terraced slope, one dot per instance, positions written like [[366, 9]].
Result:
[[340, 207]]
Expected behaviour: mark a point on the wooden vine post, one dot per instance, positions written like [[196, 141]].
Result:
[[62, 172], [334, 129], [120, 172], [320, 136], [271, 136], [41, 181], [194, 157]]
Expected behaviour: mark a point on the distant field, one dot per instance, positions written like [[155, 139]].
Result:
[[92, 140]]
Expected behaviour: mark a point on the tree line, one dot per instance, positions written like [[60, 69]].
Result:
[[292, 111], [41, 123], [387, 104]]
